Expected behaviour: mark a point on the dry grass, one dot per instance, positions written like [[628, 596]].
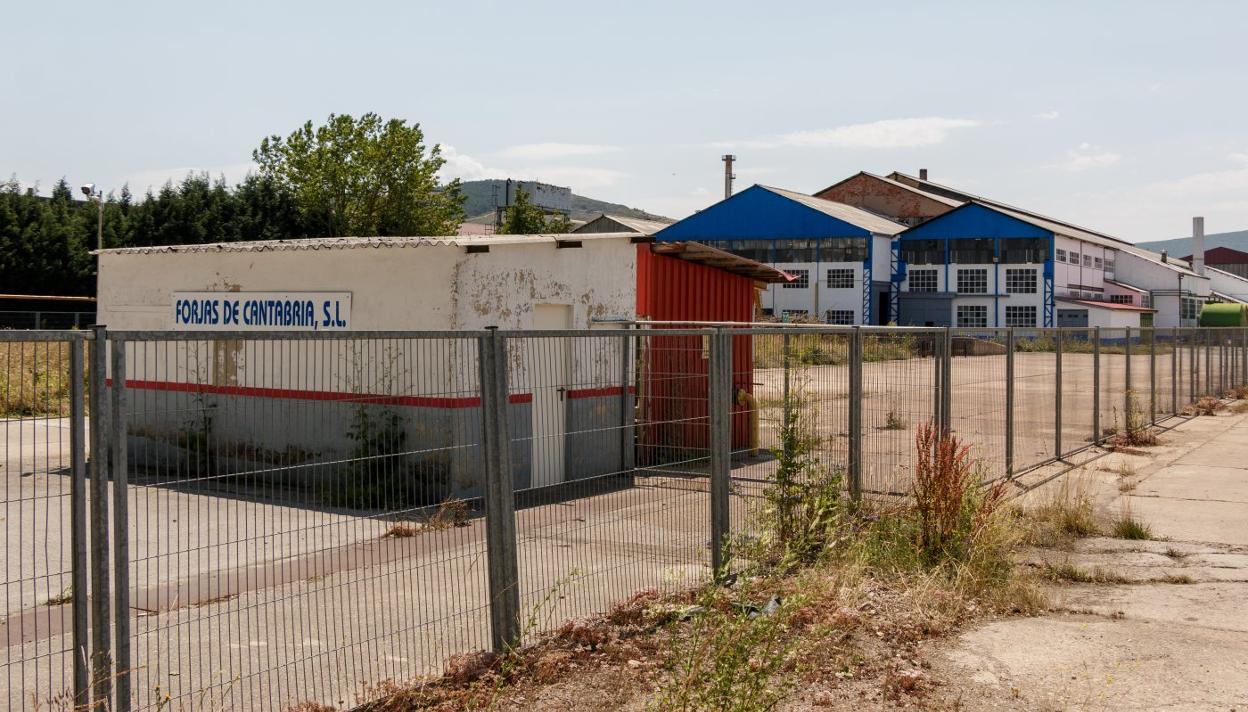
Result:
[[1207, 405], [451, 513], [402, 530], [34, 379], [1239, 408], [1065, 513]]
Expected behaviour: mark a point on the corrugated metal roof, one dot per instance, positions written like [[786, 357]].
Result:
[[639, 225], [721, 259], [353, 243], [847, 213]]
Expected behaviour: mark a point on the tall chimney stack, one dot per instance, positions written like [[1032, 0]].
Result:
[[1198, 246], [922, 174], [728, 174]]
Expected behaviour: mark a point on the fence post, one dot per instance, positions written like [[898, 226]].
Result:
[[121, 532], [1208, 362], [101, 663], [1175, 353], [500, 512], [1057, 397], [1128, 398], [855, 414], [78, 522], [626, 417], [946, 383], [1096, 385], [719, 389], [788, 361], [1152, 376], [1193, 366], [1243, 358], [1009, 401]]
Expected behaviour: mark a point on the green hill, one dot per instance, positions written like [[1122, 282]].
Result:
[[479, 205], [1182, 246]]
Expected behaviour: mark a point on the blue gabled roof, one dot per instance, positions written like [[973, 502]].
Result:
[[761, 213], [976, 220]]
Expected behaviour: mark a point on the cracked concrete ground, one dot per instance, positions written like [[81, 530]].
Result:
[[1174, 635]]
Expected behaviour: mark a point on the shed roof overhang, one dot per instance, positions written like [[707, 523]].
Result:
[[715, 257]]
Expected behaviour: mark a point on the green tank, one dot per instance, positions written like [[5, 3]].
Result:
[[1224, 315]]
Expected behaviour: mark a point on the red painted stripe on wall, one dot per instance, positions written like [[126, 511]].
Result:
[[597, 392], [335, 396]]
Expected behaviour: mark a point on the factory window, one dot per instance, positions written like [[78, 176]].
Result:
[[1061, 255], [795, 251], [972, 281], [843, 249], [1098, 263], [1109, 264], [840, 317], [922, 280], [971, 251], [841, 278], [1121, 299], [974, 316], [1023, 250], [923, 252], [1020, 281], [1191, 308], [802, 281], [1087, 260], [757, 250], [1020, 316], [1074, 257], [1146, 301]]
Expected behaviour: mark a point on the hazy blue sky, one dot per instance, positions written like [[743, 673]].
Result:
[[1126, 116]]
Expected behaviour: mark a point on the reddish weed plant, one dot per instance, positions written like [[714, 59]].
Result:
[[952, 507]]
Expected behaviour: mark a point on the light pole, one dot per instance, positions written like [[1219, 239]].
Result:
[[96, 196]]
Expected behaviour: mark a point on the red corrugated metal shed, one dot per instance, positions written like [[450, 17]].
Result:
[[674, 386]]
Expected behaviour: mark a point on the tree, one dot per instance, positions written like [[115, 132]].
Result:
[[363, 177], [522, 217]]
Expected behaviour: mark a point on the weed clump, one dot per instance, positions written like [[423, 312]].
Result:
[[1208, 405], [1128, 527]]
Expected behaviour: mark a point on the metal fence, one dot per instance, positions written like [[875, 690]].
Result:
[[272, 518]]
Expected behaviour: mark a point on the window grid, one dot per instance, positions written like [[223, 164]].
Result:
[[972, 281], [1024, 316], [841, 278], [973, 316], [1121, 299], [1098, 263], [802, 280], [840, 317], [1020, 281], [1061, 255], [1087, 260], [922, 280]]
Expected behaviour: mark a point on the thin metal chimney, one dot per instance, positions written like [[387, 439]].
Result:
[[1164, 257], [729, 176], [1198, 246], [922, 174]]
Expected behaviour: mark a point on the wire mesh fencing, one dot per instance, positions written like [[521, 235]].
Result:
[[275, 518]]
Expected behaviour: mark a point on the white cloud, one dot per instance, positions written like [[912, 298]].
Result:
[[1048, 115], [465, 167], [549, 151], [1238, 157], [155, 178], [1088, 157], [579, 178], [886, 133]]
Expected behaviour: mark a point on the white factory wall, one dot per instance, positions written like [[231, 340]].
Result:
[[433, 382]]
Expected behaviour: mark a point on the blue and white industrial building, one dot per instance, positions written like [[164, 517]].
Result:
[[839, 255]]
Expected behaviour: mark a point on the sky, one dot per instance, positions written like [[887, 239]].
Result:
[[1127, 117]]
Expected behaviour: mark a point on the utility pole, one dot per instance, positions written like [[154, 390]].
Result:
[[728, 174]]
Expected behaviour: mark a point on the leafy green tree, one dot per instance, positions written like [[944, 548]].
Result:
[[363, 177], [522, 217]]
